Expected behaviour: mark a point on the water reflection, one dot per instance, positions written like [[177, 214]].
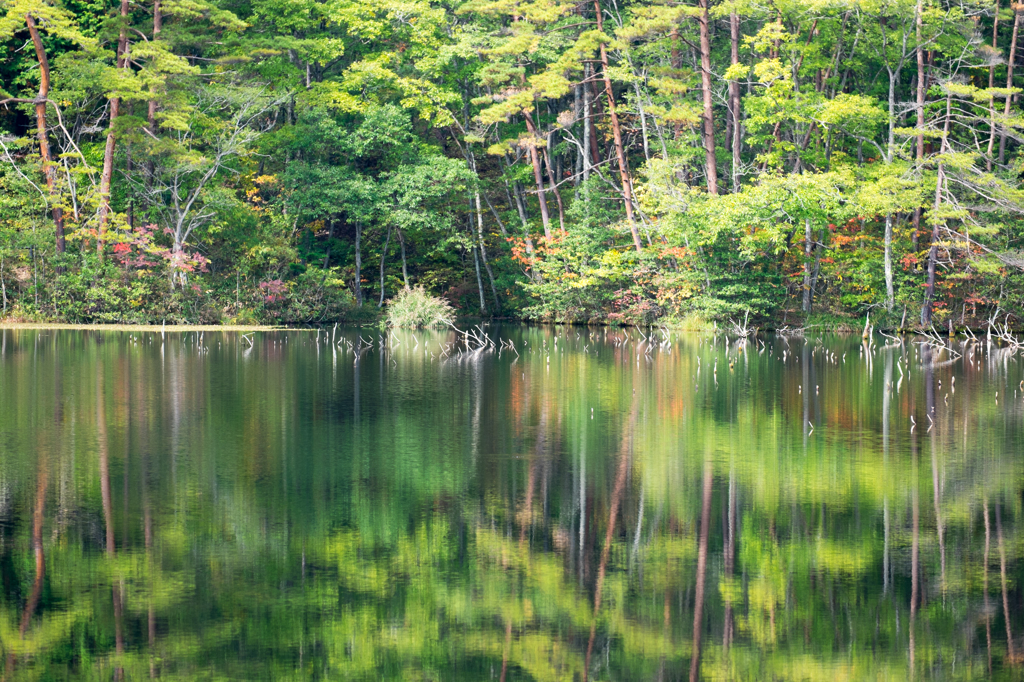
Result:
[[571, 504]]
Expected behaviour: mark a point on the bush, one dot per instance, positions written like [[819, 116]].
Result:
[[414, 308]]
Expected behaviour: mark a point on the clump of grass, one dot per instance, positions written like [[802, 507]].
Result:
[[414, 308]]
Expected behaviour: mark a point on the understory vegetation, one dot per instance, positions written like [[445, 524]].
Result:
[[640, 162], [415, 309]]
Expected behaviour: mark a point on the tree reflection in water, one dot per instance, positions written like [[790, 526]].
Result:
[[601, 506]]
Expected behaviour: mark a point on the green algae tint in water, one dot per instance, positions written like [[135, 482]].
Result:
[[592, 506]]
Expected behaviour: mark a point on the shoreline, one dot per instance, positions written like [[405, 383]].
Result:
[[150, 327], [784, 331]]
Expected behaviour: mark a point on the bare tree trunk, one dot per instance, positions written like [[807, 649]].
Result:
[[44, 143], [383, 255], [158, 23], [889, 293], [1009, 81], [627, 187], [643, 120], [479, 281], [919, 105], [587, 125], [808, 245], [330, 236], [108, 151], [537, 175], [992, 84], [711, 165], [702, 568], [734, 101], [553, 181], [933, 252], [483, 250], [359, 265], [520, 205], [497, 218], [405, 269]]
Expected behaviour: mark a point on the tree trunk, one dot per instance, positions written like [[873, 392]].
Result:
[[520, 204], [992, 84], [359, 266], [537, 175], [330, 236], [585, 152], [483, 249], [158, 22], [711, 165], [1009, 82], [922, 86], [627, 188], [383, 255], [553, 182], [818, 248], [889, 295], [44, 143], [479, 281], [933, 252], [405, 269], [497, 218], [108, 151], [808, 245], [734, 102]]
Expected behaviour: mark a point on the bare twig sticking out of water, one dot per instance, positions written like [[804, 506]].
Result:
[[742, 329]]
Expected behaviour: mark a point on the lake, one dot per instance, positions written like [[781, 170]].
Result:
[[565, 504]]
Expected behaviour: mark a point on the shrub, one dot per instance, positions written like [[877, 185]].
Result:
[[413, 308]]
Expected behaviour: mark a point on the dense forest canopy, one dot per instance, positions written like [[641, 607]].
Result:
[[792, 162]]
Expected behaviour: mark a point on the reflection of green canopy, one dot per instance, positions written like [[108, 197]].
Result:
[[303, 510]]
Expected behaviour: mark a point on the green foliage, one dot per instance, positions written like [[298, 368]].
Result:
[[349, 149]]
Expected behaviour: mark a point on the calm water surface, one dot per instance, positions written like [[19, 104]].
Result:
[[589, 506]]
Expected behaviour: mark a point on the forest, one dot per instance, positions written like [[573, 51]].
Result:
[[794, 163]]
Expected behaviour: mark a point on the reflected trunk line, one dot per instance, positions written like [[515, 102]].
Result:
[[1011, 656], [147, 526], [886, 404], [507, 649], [987, 606], [915, 578], [702, 565], [730, 556], [101, 438], [38, 514], [613, 512], [108, 511], [526, 515], [583, 499], [666, 632], [526, 518], [929, 394]]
